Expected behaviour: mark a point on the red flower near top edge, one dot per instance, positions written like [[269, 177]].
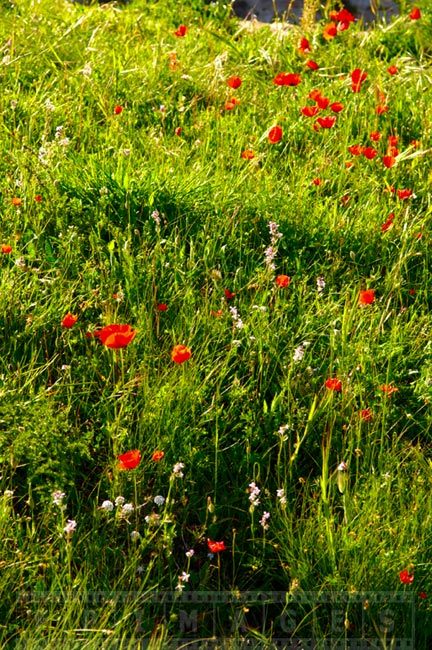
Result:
[[312, 65], [215, 547], [342, 16], [69, 320], [304, 47], [406, 577], [333, 383], [180, 354], [158, 455], [366, 297], [234, 82], [310, 111], [116, 336], [287, 79], [6, 249], [415, 13], [357, 78], [181, 31], [327, 122], [275, 134], [129, 460], [283, 281]]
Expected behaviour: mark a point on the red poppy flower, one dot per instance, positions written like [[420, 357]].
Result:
[[69, 320], [349, 164], [393, 151], [411, 292], [229, 295], [333, 384], [283, 281], [116, 336], [234, 82], [406, 577], [177, 130], [356, 149], [366, 297], [129, 460], [158, 455], [388, 389], [357, 78], [342, 16], [217, 314], [415, 143], [162, 307], [366, 415], [388, 161], [317, 181], [232, 103], [275, 134], [315, 95], [6, 249], [180, 354], [404, 194], [327, 122], [248, 154], [330, 31], [118, 110], [216, 547], [375, 136], [312, 65], [16, 201], [287, 79], [415, 13], [181, 31], [422, 595], [336, 107], [310, 111], [323, 102], [381, 109], [369, 153], [393, 140], [393, 69], [38, 198], [388, 224], [304, 46]]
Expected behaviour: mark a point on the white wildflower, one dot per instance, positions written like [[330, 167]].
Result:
[[108, 506]]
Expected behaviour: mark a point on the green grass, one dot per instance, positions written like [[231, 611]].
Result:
[[134, 214]]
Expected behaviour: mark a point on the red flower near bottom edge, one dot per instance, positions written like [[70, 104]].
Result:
[[216, 547]]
